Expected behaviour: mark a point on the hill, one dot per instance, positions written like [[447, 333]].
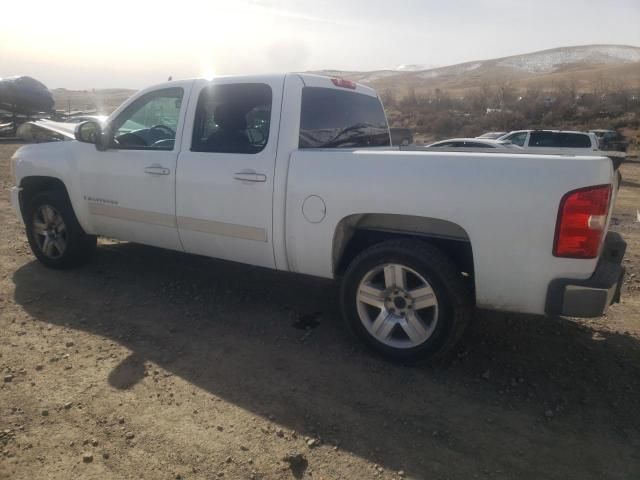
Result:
[[583, 65]]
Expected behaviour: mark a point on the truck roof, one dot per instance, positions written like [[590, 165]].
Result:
[[309, 80]]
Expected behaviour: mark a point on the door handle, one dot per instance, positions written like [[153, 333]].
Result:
[[157, 170], [250, 176]]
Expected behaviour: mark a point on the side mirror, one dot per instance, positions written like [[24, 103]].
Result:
[[87, 132], [91, 132], [103, 139]]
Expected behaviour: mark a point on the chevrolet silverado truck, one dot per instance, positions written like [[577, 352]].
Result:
[[296, 172]]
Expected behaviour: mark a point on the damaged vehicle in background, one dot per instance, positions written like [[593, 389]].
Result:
[[51, 131], [24, 98], [21, 98], [25, 95]]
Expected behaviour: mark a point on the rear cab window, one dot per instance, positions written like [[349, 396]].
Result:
[[232, 118], [332, 118]]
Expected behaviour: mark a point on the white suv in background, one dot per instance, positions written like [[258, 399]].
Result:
[[553, 140]]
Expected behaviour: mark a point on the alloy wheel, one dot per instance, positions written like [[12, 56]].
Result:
[[49, 231], [397, 306]]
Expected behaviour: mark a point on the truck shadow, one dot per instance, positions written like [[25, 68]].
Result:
[[629, 183], [516, 390]]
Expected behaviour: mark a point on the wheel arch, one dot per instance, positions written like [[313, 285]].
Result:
[[34, 184], [355, 233]]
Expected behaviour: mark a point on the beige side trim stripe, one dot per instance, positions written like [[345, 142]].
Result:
[[186, 223], [224, 229], [142, 216]]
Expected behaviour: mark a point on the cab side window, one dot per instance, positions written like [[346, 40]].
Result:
[[574, 140], [232, 118], [543, 139], [149, 123], [518, 138]]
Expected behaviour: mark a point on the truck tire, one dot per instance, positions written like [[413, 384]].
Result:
[[406, 300], [55, 236]]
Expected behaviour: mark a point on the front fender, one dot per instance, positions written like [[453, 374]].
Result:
[[53, 160]]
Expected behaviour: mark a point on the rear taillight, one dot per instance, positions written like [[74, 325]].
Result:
[[582, 219]]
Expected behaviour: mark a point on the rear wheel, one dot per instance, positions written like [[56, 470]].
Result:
[[55, 236], [406, 300]]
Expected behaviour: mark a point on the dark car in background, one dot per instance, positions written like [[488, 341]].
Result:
[[611, 140], [401, 136]]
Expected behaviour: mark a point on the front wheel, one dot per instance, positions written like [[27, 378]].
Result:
[[55, 236], [406, 300]]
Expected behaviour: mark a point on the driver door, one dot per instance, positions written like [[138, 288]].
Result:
[[130, 187]]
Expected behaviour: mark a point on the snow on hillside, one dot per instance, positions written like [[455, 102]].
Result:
[[414, 67], [373, 76], [535, 63], [453, 70], [549, 60]]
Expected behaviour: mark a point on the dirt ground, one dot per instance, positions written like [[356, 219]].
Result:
[[159, 365]]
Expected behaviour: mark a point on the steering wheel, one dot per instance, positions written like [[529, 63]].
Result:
[[169, 133], [130, 139]]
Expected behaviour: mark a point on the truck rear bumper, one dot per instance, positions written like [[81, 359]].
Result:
[[590, 297], [15, 201]]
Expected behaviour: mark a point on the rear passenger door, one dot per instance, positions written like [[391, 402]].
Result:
[[225, 173]]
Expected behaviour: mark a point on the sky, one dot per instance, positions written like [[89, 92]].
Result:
[[83, 44]]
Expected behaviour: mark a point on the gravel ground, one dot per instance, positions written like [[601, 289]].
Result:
[[158, 365]]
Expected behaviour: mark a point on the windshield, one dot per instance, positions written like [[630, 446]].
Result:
[[332, 118]]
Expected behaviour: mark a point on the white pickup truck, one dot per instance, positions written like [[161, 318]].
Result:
[[295, 172]]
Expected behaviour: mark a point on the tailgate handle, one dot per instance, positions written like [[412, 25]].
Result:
[[250, 176]]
